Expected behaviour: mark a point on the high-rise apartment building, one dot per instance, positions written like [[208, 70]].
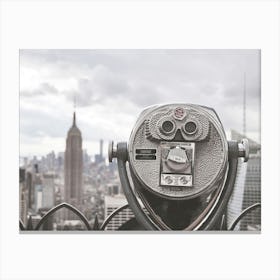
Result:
[[99, 157], [23, 197], [73, 166], [48, 199], [111, 204], [252, 194], [38, 190]]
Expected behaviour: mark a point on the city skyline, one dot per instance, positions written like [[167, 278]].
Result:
[[94, 188], [69, 177], [102, 81]]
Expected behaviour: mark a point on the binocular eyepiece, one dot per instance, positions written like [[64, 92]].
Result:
[[178, 157]]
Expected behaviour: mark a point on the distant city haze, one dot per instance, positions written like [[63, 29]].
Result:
[[111, 87]]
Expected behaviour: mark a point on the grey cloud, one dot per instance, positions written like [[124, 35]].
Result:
[[46, 87], [215, 81], [126, 81], [144, 94], [113, 70], [101, 85], [42, 89]]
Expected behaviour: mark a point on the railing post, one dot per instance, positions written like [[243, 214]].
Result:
[[96, 224], [29, 223]]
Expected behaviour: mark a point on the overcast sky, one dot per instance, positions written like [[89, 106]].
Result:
[[113, 86]]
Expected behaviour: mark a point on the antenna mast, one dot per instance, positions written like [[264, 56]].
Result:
[[244, 105], [74, 101]]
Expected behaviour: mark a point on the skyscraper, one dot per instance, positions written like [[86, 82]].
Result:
[[48, 190], [73, 166], [38, 189], [111, 204], [23, 196], [99, 157]]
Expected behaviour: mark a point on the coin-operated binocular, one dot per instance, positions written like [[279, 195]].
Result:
[[178, 169]]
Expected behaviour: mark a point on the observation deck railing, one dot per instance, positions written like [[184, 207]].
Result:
[[97, 226]]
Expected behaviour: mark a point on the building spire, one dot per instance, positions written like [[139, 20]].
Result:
[[74, 114], [74, 118]]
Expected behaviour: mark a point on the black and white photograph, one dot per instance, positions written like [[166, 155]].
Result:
[[140, 140]]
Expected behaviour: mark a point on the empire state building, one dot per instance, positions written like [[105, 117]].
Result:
[[73, 166]]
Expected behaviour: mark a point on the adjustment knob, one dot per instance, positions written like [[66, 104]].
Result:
[[112, 151], [243, 149]]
